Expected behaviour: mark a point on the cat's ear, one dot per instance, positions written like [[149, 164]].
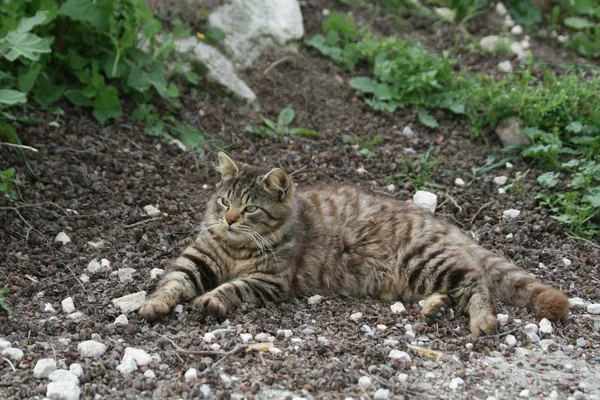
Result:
[[277, 180], [227, 168]]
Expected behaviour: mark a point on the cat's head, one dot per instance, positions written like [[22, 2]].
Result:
[[250, 198]]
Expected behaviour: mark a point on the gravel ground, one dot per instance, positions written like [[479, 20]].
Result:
[[93, 184]]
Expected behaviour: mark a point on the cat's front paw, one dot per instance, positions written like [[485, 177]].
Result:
[[211, 305], [153, 308]]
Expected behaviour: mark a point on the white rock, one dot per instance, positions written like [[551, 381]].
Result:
[[524, 393], [398, 308], [325, 12], [84, 278], [209, 337], [91, 349], [284, 333], [459, 182], [4, 344], [274, 350], [381, 327], [390, 342], [246, 337], [511, 341], [501, 9], [581, 342], [500, 180], [121, 320], [517, 30], [13, 353], [594, 308], [125, 274], [455, 383], [510, 214], [323, 340], [577, 303], [562, 38], [493, 43], [149, 374], [426, 200], [501, 191], [140, 356], [94, 267], [402, 377], [44, 367], [156, 273], [518, 50], [130, 302], [505, 66], [391, 188], [510, 236], [554, 395], [77, 316], [364, 382], [510, 132], [63, 390], [191, 375], [533, 337], [361, 170], [508, 21], [545, 344], [566, 262], [525, 44], [67, 305], [545, 326], [77, 369], [48, 308], [61, 375], [399, 355], [408, 132], [215, 347], [98, 245], [254, 27], [151, 211], [366, 329], [127, 366], [62, 238], [469, 346], [261, 337], [314, 300], [409, 331], [356, 316], [533, 328], [178, 309], [105, 264], [205, 391], [382, 394]]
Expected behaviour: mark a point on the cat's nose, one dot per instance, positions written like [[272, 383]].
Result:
[[231, 218], [230, 221]]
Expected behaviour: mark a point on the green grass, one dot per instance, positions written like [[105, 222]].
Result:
[[421, 172], [3, 303], [281, 127]]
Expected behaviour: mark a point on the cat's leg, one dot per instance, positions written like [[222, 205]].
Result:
[[191, 274], [435, 306], [482, 312], [258, 288]]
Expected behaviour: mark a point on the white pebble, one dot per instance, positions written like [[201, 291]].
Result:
[[44, 367], [381, 327], [455, 383], [594, 308], [62, 238], [469, 346], [284, 333], [505, 66], [261, 337], [518, 50], [577, 303], [581, 342], [191, 375], [510, 214], [364, 382], [533, 337], [361, 170], [151, 211], [274, 350], [140, 356], [490, 43], [209, 337], [84, 278], [508, 21], [566, 262], [502, 319], [501, 180], [121, 320], [533, 328], [63, 390], [399, 355], [77, 369], [517, 30], [96, 244], [546, 344], [127, 366], [426, 200], [402, 377], [408, 132], [356, 316], [67, 305], [382, 394], [91, 349], [178, 309], [205, 390], [511, 341], [61, 375], [409, 331], [325, 12], [510, 236], [545, 326], [13, 353], [323, 340], [391, 188], [398, 308], [314, 300], [366, 329], [48, 308], [524, 393], [501, 9], [149, 374], [390, 342], [459, 182], [501, 191], [125, 274], [215, 347], [130, 302], [156, 273], [246, 337], [562, 38], [94, 266], [77, 316], [525, 44], [509, 165]]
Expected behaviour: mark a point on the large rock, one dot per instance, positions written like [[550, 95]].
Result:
[[254, 26], [510, 132]]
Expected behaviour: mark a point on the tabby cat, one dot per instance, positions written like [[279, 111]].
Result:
[[263, 241]]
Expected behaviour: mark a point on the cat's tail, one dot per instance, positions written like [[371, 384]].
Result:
[[513, 285]]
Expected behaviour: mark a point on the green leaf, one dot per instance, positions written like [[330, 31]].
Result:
[[592, 199], [286, 116], [256, 130], [45, 92], [457, 108], [578, 23], [191, 137], [383, 91], [27, 24], [76, 97], [86, 11], [107, 104], [215, 35], [270, 124], [28, 76], [427, 119], [172, 90], [138, 79], [10, 97], [158, 80], [364, 84], [549, 179], [574, 127], [26, 45], [303, 132], [181, 29]]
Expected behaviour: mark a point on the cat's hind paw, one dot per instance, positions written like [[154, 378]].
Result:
[[211, 305], [153, 308], [435, 307]]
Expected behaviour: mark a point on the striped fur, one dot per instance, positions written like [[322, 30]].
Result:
[[262, 242]]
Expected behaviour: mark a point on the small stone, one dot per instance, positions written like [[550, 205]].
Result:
[[125, 274], [96, 244], [426, 200], [382, 394], [381, 327], [546, 344], [77, 316], [63, 390], [594, 308], [518, 50], [127, 366], [408, 132], [261, 337], [510, 236], [546, 326], [13, 353], [469, 346], [191, 375], [84, 278], [205, 391], [62, 238], [491, 43], [308, 331], [511, 341], [508, 21], [48, 308], [67, 305], [274, 350], [151, 211], [525, 44], [577, 303], [500, 180], [364, 382], [524, 393], [562, 38], [501, 9], [517, 30], [149, 374], [533, 328], [140, 356], [554, 394], [366, 329], [581, 342], [510, 214], [60, 375], [323, 340], [459, 182], [361, 170], [409, 331], [501, 191], [156, 273], [502, 319], [510, 132], [121, 320], [246, 337], [325, 12], [566, 262], [533, 337], [399, 355], [402, 377], [105, 264], [284, 333], [77, 369], [94, 266], [215, 347], [398, 308], [91, 349], [391, 188], [356, 316], [314, 300], [390, 342], [178, 309], [455, 383], [130, 302], [44, 367], [505, 66], [209, 337]]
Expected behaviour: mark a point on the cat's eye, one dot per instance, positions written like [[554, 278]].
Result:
[[224, 202], [251, 209]]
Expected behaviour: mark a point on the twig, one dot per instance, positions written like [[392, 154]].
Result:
[[453, 201], [478, 211], [298, 170], [143, 222], [77, 279], [500, 334], [274, 64], [10, 363], [235, 350], [584, 240], [20, 146]]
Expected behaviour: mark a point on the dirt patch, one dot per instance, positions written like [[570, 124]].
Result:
[[93, 182]]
